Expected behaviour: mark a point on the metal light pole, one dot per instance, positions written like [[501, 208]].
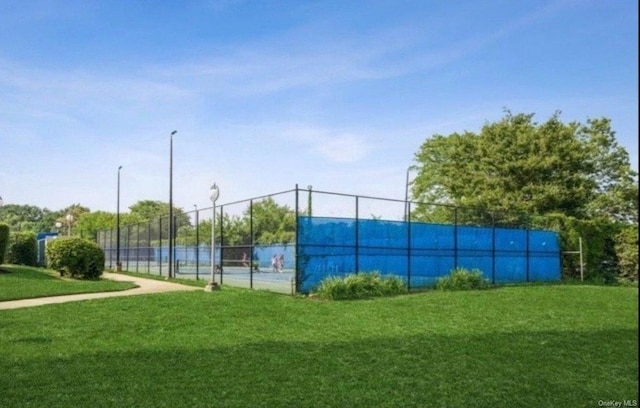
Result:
[[1, 202], [58, 226], [170, 274], [69, 218], [214, 193], [118, 264]]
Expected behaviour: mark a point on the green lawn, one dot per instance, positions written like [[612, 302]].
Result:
[[24, 282], [529, 346]]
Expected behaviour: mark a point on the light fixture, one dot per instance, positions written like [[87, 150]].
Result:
[[214, 193], [69, 218]]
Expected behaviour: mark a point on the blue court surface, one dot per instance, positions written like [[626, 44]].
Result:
[[282, 282]]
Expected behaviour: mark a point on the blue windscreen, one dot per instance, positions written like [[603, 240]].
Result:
[[420, 253]]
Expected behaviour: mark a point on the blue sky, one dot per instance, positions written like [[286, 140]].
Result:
[[266, 94]]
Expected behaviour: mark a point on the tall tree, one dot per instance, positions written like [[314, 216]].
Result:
[[616, 195], [76, 211], [272, 223], [22, 218], [516, 164], [153, 215], [90, 223], [146, 210]]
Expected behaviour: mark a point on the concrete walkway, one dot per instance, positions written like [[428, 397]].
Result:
[[145, 286]]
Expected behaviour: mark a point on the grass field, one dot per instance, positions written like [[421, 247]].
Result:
[[24, 282], [532, 346]]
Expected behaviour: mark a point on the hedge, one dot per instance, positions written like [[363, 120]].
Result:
[[4, 241]]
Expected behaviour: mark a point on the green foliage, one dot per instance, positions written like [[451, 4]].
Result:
[[518, 165], [616, 196], [360, 286], [272, 223], [149, 209], [75, 257], [152, 217], [236, 230], [4, 241], [627, 252], [462, 279], [598, 245], [146, 210], [78, 212], [25, 217], [29, 218], [89, 223], [23, 249]]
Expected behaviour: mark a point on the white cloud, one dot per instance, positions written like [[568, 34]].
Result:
[[343, 148], [335, 145]]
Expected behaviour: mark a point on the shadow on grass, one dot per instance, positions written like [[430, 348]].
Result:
[[29, 282], [557, 368], [26, 272]]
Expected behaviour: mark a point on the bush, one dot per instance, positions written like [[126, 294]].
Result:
[[4, 241], [627, 252], [462, 279], [598, 245], [360, 286], [23, 249], [75, 257]]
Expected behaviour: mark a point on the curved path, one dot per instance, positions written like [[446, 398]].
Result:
[[145, 286]]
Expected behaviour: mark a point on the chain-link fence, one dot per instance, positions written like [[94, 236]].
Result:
[[289, 241]]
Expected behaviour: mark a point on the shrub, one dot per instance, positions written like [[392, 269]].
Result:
[[627, 252], [23, 249], [360, 286], [598, 245], [4, 241], [75, 257], [462, 279]]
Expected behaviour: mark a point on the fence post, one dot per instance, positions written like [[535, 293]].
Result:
[[110, 248], [455, 237], [251, 237], [137, 246], [197, 221], [172, 241], [160, 243], [128, 244], [357, 263], [408, 224], [296, 254], [493, 249], [149, 247], [527, 253], [221, 243], [581, 260]]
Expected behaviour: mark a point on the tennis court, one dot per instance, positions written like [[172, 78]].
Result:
[[239, 276], [276, 243]]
